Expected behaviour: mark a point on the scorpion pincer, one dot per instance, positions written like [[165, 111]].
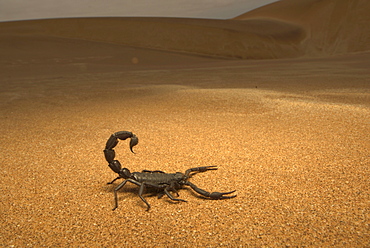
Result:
[[159, 180]]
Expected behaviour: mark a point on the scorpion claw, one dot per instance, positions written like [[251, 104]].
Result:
[[219, 195], [205, 168], [200, 169]]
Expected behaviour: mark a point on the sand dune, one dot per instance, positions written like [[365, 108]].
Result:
[[285, 29], [290, 135], [213, 38], [332, 27]]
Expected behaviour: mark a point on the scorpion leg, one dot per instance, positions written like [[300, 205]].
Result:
[[119, 187], [114, 180], [166, 191], [171, 187], [213, 195], [161, 194], [141, 191], [115, 193]]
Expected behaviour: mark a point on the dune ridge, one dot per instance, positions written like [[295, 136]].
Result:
[[309, 29], [213, 38]]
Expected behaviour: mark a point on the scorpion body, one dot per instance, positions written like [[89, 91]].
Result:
[[159, 180]]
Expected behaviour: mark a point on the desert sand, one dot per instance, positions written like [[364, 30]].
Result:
[[281, 104]]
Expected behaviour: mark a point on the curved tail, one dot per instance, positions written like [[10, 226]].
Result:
[[109, 152]]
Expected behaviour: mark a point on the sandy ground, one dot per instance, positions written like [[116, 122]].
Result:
[[291, 136]]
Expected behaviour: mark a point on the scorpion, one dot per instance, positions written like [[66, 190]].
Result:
[[159, 180]]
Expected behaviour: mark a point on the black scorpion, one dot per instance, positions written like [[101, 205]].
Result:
[[163, 182]]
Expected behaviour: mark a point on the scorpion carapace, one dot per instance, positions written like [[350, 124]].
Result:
[[163, 182]]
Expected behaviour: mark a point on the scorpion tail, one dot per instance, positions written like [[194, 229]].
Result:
[[115, 165], [122, 135], [109, 152], [133, 142]]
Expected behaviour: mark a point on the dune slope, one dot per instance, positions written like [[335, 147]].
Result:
[[332, 27]]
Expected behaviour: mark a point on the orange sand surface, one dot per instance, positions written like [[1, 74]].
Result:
[[290, 135]]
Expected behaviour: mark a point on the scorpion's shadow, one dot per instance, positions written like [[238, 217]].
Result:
[[134, 190]]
